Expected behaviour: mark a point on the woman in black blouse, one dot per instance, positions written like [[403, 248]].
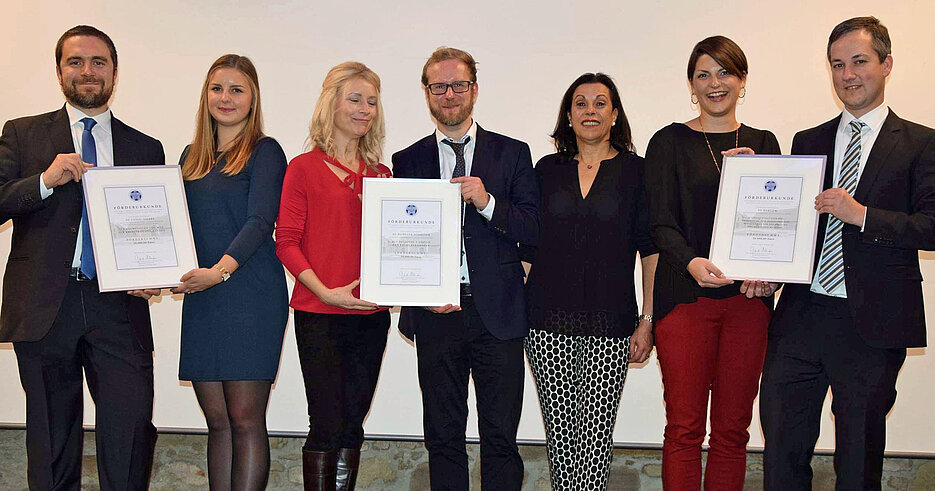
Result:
[[710, 331], [583, 315]]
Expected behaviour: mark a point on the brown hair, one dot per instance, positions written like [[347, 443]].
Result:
[[445, 53], [879, 34], [202, 155], [84, 30], [724, 51], [321, 129]]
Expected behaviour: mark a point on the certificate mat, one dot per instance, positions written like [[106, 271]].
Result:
[[140, 228], [765, 225], [410, 242]]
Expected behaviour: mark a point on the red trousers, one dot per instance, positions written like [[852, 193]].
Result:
[[711, 347]]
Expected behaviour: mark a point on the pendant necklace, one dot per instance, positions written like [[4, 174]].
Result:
[[713, 159]]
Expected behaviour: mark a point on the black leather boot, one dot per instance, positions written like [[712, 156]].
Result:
[[319, 469], [348, 463]]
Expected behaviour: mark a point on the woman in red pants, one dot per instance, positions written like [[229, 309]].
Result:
[[710, 331]]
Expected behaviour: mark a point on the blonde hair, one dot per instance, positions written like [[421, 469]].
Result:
[[321, 129], [202, 155]]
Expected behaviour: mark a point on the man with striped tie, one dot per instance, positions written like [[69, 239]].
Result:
[[61, 326], [849, 329]]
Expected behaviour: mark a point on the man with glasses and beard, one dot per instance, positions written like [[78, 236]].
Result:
[[52, 311], [482, 337]]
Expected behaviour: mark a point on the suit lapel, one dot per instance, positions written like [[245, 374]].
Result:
[[824, 145], [480, 163], [884, 145], [428, 158], [123, 146], [60, 132], [826, 142]]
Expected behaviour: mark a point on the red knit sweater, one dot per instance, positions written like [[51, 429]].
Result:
[[319, 228]]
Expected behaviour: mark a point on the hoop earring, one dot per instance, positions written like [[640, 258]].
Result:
[[694, 99], [743, 92]]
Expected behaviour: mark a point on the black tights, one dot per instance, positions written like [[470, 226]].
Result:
[[238, 445]]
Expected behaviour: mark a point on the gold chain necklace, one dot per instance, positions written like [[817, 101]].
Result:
[[736, 144]]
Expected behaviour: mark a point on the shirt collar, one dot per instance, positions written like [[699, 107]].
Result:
[[75, 116], [472, 132], [873, 119]]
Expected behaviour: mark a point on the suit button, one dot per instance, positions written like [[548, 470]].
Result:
[[66, 264], [74, 230]]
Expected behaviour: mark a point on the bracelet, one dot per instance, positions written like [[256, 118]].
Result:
[[646, 317], [225, 274]]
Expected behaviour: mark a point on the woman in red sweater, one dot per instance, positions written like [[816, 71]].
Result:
[[340, 337]]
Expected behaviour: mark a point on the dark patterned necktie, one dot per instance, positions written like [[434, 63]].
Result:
[[458, 149], [831, 265], [89, 155]]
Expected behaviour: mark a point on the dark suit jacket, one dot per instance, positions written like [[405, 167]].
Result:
[[45, 231], [505, 167], [881, 264]]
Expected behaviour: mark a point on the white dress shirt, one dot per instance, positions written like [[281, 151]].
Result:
[[103, 143], [868, 135], [446, 164]]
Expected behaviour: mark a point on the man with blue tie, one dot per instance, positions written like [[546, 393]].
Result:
[[480, 338], [52, 311], [849, 329]]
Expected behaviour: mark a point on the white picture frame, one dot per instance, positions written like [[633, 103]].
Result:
[[765, 224], [410, 242], [140, 227]]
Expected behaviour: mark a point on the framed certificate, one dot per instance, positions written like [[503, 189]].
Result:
[[410, 242], [766, 225], [139, 224]]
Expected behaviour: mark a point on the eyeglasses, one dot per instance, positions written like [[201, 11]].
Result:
[[458, 87]]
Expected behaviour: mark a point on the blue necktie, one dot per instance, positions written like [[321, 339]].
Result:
[[89, 155]]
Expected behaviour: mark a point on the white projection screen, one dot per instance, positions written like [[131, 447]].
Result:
[[528, 54]]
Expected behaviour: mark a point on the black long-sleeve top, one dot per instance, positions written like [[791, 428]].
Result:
[[683, 185], [581, 282]]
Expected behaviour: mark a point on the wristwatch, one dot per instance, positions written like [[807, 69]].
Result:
[[646, 317], [225, 274]]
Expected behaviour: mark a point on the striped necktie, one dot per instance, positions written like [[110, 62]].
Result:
[[831, 265], [89, 155]]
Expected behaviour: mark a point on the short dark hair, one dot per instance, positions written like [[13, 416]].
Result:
[[566, 143], [445, 53], [83, 30], [724, 51], [878, 32]]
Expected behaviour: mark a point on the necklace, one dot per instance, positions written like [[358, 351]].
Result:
[[592, 164], [736, 144]]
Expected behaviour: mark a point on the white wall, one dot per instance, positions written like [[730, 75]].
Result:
[[528, 53]]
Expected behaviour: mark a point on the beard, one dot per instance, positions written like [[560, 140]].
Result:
[[86, 100], [448, 119]]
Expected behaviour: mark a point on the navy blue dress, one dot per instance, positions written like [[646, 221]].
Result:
[[234, 330]]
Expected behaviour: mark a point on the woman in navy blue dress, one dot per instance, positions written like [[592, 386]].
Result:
[[236, 303]]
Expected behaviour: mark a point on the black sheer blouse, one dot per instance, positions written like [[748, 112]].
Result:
[[684, 185], [581, 282]]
